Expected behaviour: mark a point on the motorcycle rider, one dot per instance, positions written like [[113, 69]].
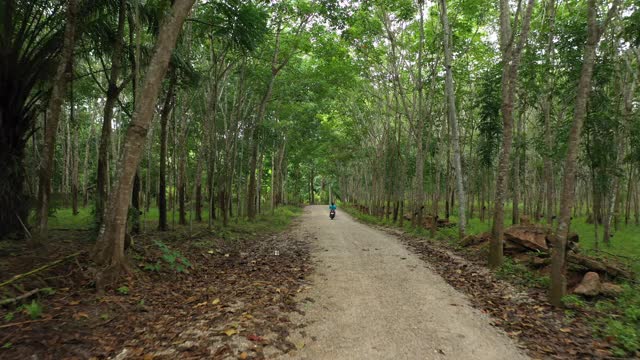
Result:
[[332, 207]]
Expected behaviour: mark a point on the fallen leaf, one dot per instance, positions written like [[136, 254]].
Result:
[[199, 304], [215, 302], [81, 315], [254, 337], [300, 345], [243, 355], [230, 332]]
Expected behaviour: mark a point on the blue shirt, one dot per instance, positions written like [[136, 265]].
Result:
[[332, 207]]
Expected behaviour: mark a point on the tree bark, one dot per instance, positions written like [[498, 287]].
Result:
[[511, 60], [453, 121], [109, 249], [558, 256], [54, 109], [102, 184], [546, 110], [162, 183]]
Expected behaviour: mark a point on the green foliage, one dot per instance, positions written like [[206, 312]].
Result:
[[9, 316], [573, 301], [620, 320], [153, 267], [7, 345], [490, 126], [48, 291], [123, 290], [520, 274], [34, 310], [173, 258]]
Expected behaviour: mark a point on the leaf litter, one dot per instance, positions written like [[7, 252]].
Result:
[[234, 302], [523, 313]]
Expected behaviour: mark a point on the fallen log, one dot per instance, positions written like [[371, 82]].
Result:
[[44, 267], [599, 266]]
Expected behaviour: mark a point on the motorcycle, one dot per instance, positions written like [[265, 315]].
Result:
[[332, 214]]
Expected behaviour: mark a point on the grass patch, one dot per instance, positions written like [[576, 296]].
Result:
[[520, 274], [281, 217], [620, 321]]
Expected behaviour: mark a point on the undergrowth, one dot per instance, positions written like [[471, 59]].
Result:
[[520, 274]]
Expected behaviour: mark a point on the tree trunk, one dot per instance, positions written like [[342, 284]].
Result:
[[162, 183], [198, 191], [109, 249], [64, 72], [419, 179], [135, 204], [558, 256], [511, 61], [453, 121], [102, 184], [75, 144], [515, 211], [85, 167]]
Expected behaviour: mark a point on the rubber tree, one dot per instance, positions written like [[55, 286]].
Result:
[[109, 249], [63, 73], [453, 119], [558, 256], [511, 53]]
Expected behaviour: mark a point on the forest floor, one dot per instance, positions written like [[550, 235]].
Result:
[[230, 298]]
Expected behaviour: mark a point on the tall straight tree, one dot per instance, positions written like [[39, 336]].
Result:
[[109, 248], [162, 184], [558, 256], [511, 53], [546, 110], [453, 119], [63, 73], [113, 91], [419, 132]]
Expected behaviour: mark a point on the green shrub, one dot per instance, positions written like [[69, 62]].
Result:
[[174, 259], [9, 316], [625, 335], [573, 301], [34, 310], [520, 274], [621, 321], [123, 290]]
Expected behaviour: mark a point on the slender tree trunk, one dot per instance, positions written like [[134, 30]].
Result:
[[113, 92], [135, 204], [419, 179], [511, 60], [85, 167], [515, 213], [198, 191], [109, 249], [74, 175], [54, 109], [558, 256], [453, 121], [162, 187]]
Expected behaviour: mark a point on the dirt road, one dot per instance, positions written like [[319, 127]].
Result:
[[371, 298]]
